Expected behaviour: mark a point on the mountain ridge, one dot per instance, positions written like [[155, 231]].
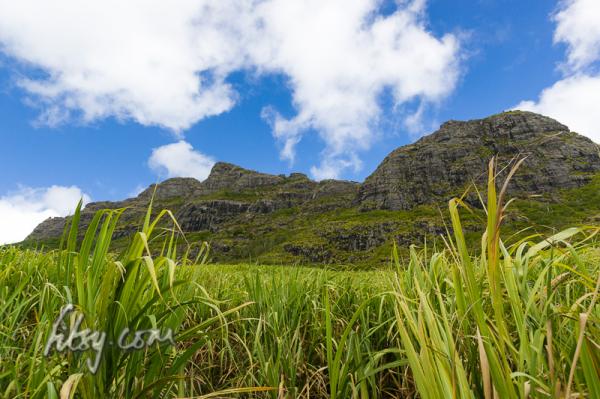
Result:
[[247, 214]]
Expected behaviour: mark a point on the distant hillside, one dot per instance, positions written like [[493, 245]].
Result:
[[252, 216]]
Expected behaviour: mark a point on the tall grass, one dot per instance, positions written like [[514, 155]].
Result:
[[137, 291], [513, 321]]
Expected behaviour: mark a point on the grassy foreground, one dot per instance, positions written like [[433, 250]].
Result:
[[515, 321]]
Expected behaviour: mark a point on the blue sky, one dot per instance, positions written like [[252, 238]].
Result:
[[88, 95]]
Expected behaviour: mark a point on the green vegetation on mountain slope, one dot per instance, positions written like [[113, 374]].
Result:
[[248, 216], [355, 238]]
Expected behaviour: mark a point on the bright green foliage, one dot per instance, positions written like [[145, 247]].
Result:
[[513, 321], [138, 290], [506, 324]]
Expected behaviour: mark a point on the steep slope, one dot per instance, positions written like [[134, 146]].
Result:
[[438, 166], [252, 216]]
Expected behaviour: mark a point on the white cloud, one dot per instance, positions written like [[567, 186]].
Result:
[[136, 59], [180, 160], [574, 99], [578, 25], [331, 166], [167, 63], [340, 56], [23, 210]]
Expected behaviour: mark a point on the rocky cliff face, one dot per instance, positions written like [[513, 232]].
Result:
[[438, 166], [226, 176], [249, 215], [229, 192]]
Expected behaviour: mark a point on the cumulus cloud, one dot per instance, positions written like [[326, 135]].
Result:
[[340, 56], [21, 211], [574, 99], [577, 25], [137, 59], [167, 64], [180, 160]]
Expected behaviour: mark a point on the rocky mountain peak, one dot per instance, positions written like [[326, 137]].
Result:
[[224, 168], [507, 125], [230, 177], [171, 188], [442, 164]]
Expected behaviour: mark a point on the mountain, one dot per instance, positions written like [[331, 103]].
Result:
[[252, 216], [457, 154]]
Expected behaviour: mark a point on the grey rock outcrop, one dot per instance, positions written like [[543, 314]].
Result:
[[226, 176], [437, 166], [228, 192], [208, 215], [172, 188]]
